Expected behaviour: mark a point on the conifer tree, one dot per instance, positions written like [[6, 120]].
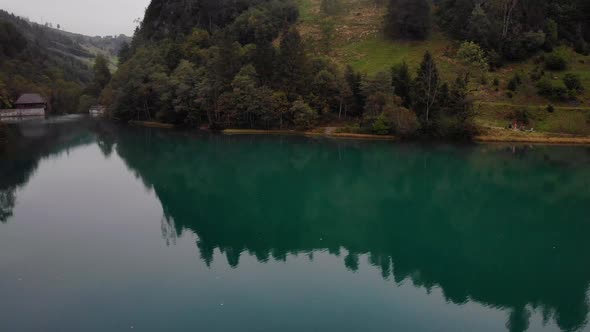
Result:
[[408, 19]]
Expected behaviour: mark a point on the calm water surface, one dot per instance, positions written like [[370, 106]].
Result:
[[107, 228]]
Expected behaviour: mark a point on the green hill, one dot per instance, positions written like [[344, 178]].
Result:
[[55, 63], [358, 40]]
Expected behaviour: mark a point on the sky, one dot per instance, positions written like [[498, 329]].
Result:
[[88, 17]]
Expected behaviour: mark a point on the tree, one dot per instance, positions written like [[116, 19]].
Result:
[[305, 116], [102, 75], [474, 59], [293, 63], [426, 91], [124, 53], [479, 27], [12, 41], [460, 106], [281, 107], [402, 83], [573, 83], [408, 19], [327, 29], [353, 81]]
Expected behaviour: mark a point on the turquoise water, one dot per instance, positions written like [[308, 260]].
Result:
[[108, 228]]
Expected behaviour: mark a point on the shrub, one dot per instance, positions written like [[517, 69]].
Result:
[[305, 116], [381, 125], [572, 82], [537, 73], [521, 116], [546, 88], [514, 82], [405, 122], [496, 81], [512, 85], [555, 61], [550, 108]]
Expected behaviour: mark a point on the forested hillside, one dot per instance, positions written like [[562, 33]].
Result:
[[286, 63], [55, 63]]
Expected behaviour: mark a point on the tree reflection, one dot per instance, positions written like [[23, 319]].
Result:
[[500, 226], [30, 143], [7, 201]]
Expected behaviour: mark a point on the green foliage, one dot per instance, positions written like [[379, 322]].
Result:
[[292, 62], [12, 42], [102, 75], [521, 116], [85, 102], [550, 108], [327, 28], [546, 88], [515, 29], [473, 56], [479, 26], [305, 116], [382, 125], [55, 64], [426, 94], [573, 83], [555, 61], [408, 19], [459, 112], [402, 83], [551, 34], [514, 83]]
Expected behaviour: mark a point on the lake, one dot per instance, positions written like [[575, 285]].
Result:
[[111, 228]]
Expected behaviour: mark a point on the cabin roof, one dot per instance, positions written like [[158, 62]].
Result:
[[30, 98]]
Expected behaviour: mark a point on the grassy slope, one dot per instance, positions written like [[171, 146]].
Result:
[[358, 42]]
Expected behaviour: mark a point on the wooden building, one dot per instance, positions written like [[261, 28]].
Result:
[[28, 105], [31, 101]]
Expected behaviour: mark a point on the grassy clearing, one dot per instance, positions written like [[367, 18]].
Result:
[[562, 120], [308, 11], [377, 53]]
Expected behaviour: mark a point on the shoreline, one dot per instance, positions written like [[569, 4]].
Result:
[[487, 136], [495, 136], [309, 134], [554, 140], [151, 124]]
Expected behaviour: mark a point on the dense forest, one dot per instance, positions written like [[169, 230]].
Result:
[[245, 64], [59, 65]]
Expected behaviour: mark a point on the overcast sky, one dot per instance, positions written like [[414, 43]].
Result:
[[89, 17]]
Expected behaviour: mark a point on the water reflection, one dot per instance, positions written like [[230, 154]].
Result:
[[30, 142], [504, 226]]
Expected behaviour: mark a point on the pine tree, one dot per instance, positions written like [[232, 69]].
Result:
[[402, 83], [408, 19], [293, 62]]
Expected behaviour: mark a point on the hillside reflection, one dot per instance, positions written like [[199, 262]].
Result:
[[500, 226]]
